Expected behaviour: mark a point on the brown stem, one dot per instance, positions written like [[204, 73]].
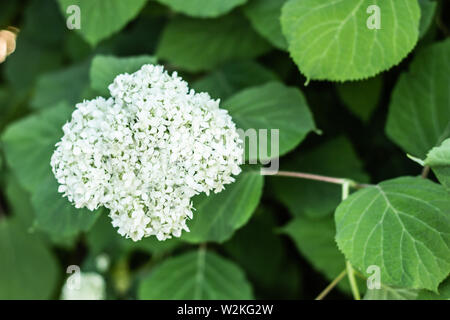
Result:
[[331, 285], [425, 171], [317, 177]]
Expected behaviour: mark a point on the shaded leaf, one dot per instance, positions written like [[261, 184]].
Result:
[[419, 113], [218, 215], [199, 45], [196, 275]]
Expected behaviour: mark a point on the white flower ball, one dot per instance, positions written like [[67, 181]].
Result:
[[146, 151], [84, 286]]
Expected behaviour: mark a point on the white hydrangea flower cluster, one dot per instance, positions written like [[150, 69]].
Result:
[[146, 151], [84, 286]]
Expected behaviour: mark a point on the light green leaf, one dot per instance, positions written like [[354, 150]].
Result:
[[66, 85], [314, 198], [439, 160], [233, 77], [314, 239], [419, 113], [361, 97], [272, 106], [28, 270], [201, 8], [105, 68], [102, 18], [217, 216], [388, 293], [264, 16], [330, 40], [28, 145], [403, 227], [198, 45], [197, 275]]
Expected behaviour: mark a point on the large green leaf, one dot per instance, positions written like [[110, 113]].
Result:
[[105, 68], [196, 275], [419, 113], [28, 270], [330, 40], [201, 8], [197, 45], [217, 216], [272, 106], [403, 227], [314, 239], [439, 160], [264, 16], [102, 18], [388, 293], [444, 292], [335, 158], [361, 97], [28, 145], [233, 77], [66, 85]]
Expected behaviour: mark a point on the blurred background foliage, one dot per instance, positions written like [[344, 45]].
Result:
[[286, 250]]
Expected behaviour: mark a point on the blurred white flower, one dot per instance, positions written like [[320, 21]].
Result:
[[91, 287], [102, 262], [146, 151]]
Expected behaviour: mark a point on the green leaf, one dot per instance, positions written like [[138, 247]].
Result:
[[264, 16], [38, 45], [66, 85], [103, 237], [258, 250], [218, 215], [233, 77], [201, 8], [314, 239], [272, 106], [361, 97], [199, 45], [419, 112], [28, 270], [444, 292], [330, 40], [102, 18], [315, 198], [439, 160], [29, 145], [403, 227], [56, 215], [428, 10], [105, 68], [197, 275], [388, 293]]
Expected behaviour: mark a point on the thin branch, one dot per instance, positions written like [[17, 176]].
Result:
[[425, 171], [316, 177], [331, 285]]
